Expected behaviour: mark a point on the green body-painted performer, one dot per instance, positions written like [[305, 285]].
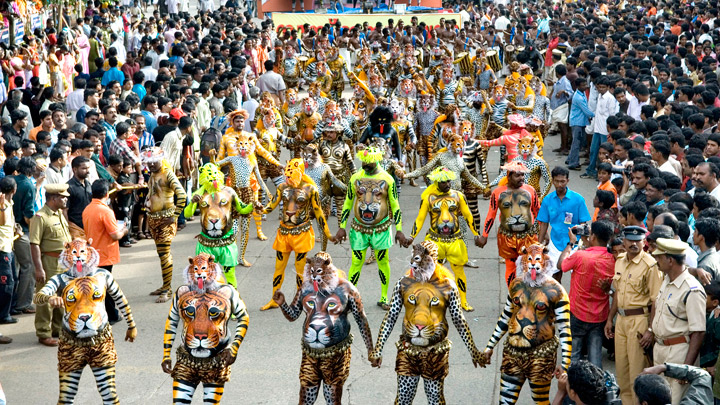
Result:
[[219, 205], [372, 197]]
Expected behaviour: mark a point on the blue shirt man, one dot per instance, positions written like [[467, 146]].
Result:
[[561, 210]]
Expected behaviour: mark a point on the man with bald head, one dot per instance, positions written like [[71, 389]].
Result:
[[673, 225]]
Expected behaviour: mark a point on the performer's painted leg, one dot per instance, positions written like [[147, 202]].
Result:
[[105, 380], [407, 387], [212, 393], [509, 270], [281, 261], [183, 391], [540, 392], [229, 272], [69, 382], [383, 261], [434, 391], [300, 260], [258, 222], [244, 236], [358, 259], [308, 395], [510, 387], [332, 394], [163, 235], [461, 281]]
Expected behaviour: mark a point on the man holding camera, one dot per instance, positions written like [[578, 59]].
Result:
[[561, 210], [592, 271]]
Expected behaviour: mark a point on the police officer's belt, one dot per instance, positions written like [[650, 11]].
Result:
[[672, 341], [634, 311]]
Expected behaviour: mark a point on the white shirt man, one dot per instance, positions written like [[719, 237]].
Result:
[[150, 73], [501, 23], [75, 101], [607, 105]]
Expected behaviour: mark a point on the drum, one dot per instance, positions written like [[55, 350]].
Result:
[[493, 60], [509, 55], [302, 62], [465, 63]]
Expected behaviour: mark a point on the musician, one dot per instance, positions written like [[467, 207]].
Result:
[[463, 43]]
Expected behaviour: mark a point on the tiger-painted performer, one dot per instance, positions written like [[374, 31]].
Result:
[[205, 304], [310, 72], [327, 299], [381, 127], [535, 126], [165, 201], [290, 68], [425, 116], [474, 160], [450, 158], [535, 304], [524, 103], [268, 134], [338, 67], [537, 168], [305, 122], [300, 201], [407, 93], [372, 197], [333, 116], [426, 292], [219, 205], [324, 81], [336, 154], [316, 93], [445, 206], [406, 134], [86, 337], [518, 204], [291, 107], [448, 88], [510, 138], [324, 179], [446, 125], [246, 180]]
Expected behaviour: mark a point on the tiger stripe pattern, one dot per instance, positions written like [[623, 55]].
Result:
[[163, 234]]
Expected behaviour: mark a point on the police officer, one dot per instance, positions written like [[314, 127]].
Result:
[[636, 284], [49, 231], [678, 316]]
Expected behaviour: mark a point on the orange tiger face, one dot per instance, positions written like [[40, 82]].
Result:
[[202, 272], [532, 322], [407, 86], [456, 144], [205, 316], [85, 314], [292, 96], [526, 147], [535, 265], [467, 129], [245, 148], [79, 257]]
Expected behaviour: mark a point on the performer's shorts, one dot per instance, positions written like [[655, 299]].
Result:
[[536, 362], [159, 232], [378, 240], [74, 354], [300, 243], [430, 363], [226, 256], [211, 370], [332, 368], [509, 246], [455, 252]]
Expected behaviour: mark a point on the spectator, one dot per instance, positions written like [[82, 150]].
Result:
[[580, 116], [705, 238], [80, 195], [584, 384], [23, 211], [705, 177], [711, 342], [7, 271], [606, 106], [272, 83]]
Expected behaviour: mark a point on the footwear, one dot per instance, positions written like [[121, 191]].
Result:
[[557, 150], [587, 176], [51, 342], [5, 340], [132, 241], [180, 227], [16, 312], [29, 310], [565, 152], [126, 244], [574, 168], [163, 297], [471, 264], [8, 321]]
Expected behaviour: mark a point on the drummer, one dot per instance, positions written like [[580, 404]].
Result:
[[463, 43]]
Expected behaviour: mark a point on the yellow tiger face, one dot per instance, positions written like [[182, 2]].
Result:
[[85, 314], [515, 215], [444, 214], [526, 147], [205, 317], [291, 96], [215, 212], [533, 318], [294, 171], [245, 148], [424, 321]]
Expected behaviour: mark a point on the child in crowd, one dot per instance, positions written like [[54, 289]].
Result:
[[123, 203], [710, 347], [604, 174], [604, 202]]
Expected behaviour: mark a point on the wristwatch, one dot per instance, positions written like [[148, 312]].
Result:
[[649, 330]]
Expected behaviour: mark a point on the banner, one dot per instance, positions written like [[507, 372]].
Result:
[[296, 20]]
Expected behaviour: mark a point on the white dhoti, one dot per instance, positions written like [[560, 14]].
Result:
[[560, 115]]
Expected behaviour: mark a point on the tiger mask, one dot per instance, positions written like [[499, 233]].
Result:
[[205, 316], [467, 129], [84, 299], [291, 97], [534, 266], [211, 178], [526, 147], [423, 260], [245, 148], [532, 323], [202, 273], [79, 258], [320, 274], [456, 144]]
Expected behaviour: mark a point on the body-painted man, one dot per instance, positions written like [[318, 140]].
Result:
[[510, 138], [305, 122], [445, 207], [372, 199], [537, 168], [86, 337], [219, 205], [336, 154], [327, 299], [165, 201], [338, 67], [205, 304], [291, 107], [300, 199], [290, 68], [427, 291], [535, 304], [406, 134], [518, 205], [425, 118]]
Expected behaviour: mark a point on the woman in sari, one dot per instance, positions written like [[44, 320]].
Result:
[[83, 43], [67, 68]]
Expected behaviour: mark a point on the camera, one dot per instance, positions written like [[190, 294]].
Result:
[[620, 170], [581, 230]]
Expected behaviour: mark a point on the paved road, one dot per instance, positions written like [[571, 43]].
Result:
[[268, 361]]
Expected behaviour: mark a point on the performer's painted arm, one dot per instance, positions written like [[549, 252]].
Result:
[[364, 87], [121, 303], [499, 141], [239, 206], [562, 320], [529, 107], [348, 160], [420, 220], [240, 313], [412, 138], [502, 325], [275, 199], [465, 211], [490, 217], [395, 145], [535, 203], [293, 311], [423, 171], [348, 204], [394, 204], [319, 215], [334, 181], [356, 307], [468, 177], [347, 131], [391, 316], [260, 151], [222, 153], [49, 289], [178, 190], [192, 206], [171, 326], [546, 178], [458, 319], [502, 175]]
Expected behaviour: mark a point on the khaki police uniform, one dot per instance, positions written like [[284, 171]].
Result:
[[679, 311], [636, 284], [50, 231]]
